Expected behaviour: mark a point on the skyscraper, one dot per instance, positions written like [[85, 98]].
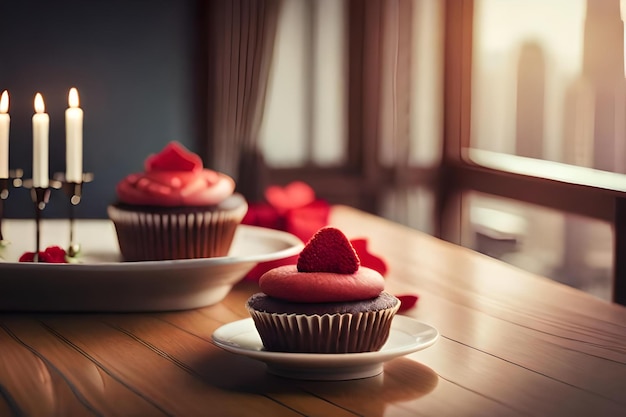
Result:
[[530, 114], [594, 122], [603, 68]]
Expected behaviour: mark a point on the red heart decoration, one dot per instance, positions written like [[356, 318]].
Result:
[[328, 251], [174, 157], [293, 195]]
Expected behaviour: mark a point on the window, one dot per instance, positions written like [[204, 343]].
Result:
[[305, 115], [475, 121], [315, 127], [540, 136]]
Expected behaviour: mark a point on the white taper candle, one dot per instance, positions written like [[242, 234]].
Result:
[[41, 127], [73, 139], [5, 121]]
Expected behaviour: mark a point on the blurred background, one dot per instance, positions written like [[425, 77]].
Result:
[[133, 65], [348, 96]]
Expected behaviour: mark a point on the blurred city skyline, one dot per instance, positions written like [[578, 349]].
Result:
[[548, 83], [565, 53]]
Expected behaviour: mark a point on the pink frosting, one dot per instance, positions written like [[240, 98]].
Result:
[[175, 177], [287, 283]]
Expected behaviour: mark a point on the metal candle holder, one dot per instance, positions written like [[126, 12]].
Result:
[[74, 192], [15, 179], [4, 194], [40, 197]]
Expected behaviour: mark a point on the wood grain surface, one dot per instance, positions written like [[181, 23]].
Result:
[[512, 344]]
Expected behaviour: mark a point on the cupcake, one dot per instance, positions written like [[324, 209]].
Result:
[[176, 209], [327, 303]]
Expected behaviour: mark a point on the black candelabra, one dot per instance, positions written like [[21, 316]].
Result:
[[15, 180], [40, 197], [74, 192]]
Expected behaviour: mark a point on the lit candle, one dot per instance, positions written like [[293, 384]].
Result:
[[73, 139], [41, 126], [5, 121]]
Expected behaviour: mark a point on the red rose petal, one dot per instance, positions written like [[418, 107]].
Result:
[[305, 221], [368, 259], [263, 215], [407, 301], [55, 255], [328, 251], [52, 255], [27, 257], [261, 268]]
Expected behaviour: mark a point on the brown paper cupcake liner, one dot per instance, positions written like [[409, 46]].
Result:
[[336, 333], [146, 236]]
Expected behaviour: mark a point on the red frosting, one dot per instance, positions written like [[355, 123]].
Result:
[[175, 177], [287, 283], [328, 270]]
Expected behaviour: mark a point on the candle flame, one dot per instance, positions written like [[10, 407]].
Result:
[[39, 106], [4, 102], [72, 98]]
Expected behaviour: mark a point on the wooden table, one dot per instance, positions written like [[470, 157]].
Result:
[[511, 343]]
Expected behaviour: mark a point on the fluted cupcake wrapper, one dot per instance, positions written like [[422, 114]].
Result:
[[146, 236], [328, 333]]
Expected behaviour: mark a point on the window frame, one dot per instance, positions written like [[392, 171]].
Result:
[[362, 182], [592, 199]]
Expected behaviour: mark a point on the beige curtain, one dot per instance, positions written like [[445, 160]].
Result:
[[380, 77], [239, 42]]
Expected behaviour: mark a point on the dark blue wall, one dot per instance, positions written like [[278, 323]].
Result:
[[132, 62]]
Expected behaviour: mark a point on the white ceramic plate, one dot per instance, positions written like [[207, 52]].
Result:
[[101, 282], [407, 335]]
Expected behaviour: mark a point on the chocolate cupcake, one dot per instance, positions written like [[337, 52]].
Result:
[[176, 209], [327, 303]]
